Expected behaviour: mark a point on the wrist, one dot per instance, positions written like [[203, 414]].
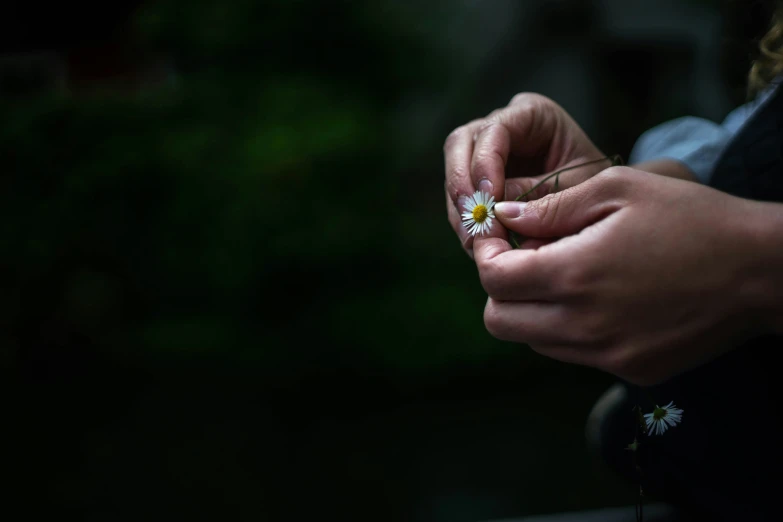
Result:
[[763, 285]]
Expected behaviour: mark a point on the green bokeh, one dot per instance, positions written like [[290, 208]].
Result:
[[236, 294]]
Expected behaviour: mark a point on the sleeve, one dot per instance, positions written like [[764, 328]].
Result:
[[695, 142]]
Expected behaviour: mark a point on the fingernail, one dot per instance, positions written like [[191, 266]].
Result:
[[462, 204], [509, 209], [485, 185]]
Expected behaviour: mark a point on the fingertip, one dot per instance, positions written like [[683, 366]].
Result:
[[491, 244], [486, 185], [509, 209]]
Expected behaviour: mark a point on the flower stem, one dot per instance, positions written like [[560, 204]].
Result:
[[616, 160], [637, 467]]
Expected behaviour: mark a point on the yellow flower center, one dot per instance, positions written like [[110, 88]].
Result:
[[480, 213]]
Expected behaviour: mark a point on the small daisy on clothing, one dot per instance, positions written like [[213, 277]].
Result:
[[662, 418], [478, 214]]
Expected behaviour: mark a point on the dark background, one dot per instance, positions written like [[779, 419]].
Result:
[[229, 290]]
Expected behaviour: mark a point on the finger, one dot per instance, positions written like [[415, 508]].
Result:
[[490, 155], [517, 274], [457, 153], [456, 224], [532, 323], [536, 126], [569, 211]]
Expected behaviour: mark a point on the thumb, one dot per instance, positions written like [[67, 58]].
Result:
[[566, 212]]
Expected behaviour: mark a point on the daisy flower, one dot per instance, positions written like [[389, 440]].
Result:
[[478, 214], [662, 418]]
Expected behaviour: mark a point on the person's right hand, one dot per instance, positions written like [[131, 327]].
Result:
[[509, 151]]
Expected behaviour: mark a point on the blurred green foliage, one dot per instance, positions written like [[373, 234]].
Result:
[[237, 294], [253, 211]]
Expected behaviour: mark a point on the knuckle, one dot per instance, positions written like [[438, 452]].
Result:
[[490, 123], [573, 280], [491, 118], [548, 207], [454, 136], [517, 98], [615, 177]]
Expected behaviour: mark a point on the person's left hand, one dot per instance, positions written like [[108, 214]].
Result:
[[639, 275]]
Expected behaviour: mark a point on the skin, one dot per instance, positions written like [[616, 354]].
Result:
[[639, 272]]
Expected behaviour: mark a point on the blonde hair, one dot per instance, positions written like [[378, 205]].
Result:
[[769, 64]]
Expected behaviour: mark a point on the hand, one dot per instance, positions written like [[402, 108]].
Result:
[[530, 137], [652, 276]]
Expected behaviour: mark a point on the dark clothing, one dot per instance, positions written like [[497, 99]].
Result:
[[724, 461]]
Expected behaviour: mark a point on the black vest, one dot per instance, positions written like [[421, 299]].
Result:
[[726, 458]]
